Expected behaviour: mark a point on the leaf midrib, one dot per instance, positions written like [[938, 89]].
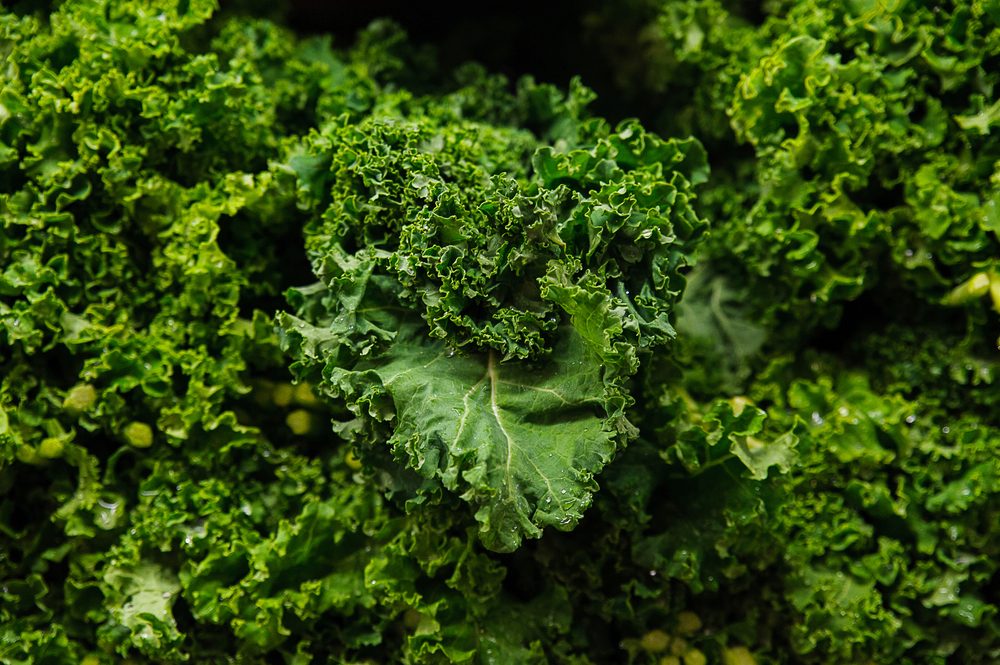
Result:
[[492, 374]]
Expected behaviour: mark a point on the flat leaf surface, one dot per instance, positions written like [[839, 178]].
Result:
[[520, 440]]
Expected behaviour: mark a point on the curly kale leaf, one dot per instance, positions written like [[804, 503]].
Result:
[[490, 320], [519, 440]]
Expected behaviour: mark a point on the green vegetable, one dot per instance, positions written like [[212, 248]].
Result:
[[138, 434], [300, 422], [655, 641], [51, 448], [497, 304], [441, 367], [80, 398], [694, 657]]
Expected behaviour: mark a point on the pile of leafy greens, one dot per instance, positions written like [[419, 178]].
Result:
[[311, 354]]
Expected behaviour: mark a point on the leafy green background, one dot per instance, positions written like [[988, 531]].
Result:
[[791, 445]]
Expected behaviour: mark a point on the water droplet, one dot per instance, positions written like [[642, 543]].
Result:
[[945, 430], [910, 419], [109, 514], [816, 418]]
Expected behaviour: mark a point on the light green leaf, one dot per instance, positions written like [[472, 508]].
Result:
[[983, 118], [145, 598], [759, 456]]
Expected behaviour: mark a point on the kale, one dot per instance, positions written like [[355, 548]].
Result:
[[317, 354]]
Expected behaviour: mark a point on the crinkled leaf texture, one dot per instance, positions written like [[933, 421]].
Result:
[[486, 296], [520, 440]]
